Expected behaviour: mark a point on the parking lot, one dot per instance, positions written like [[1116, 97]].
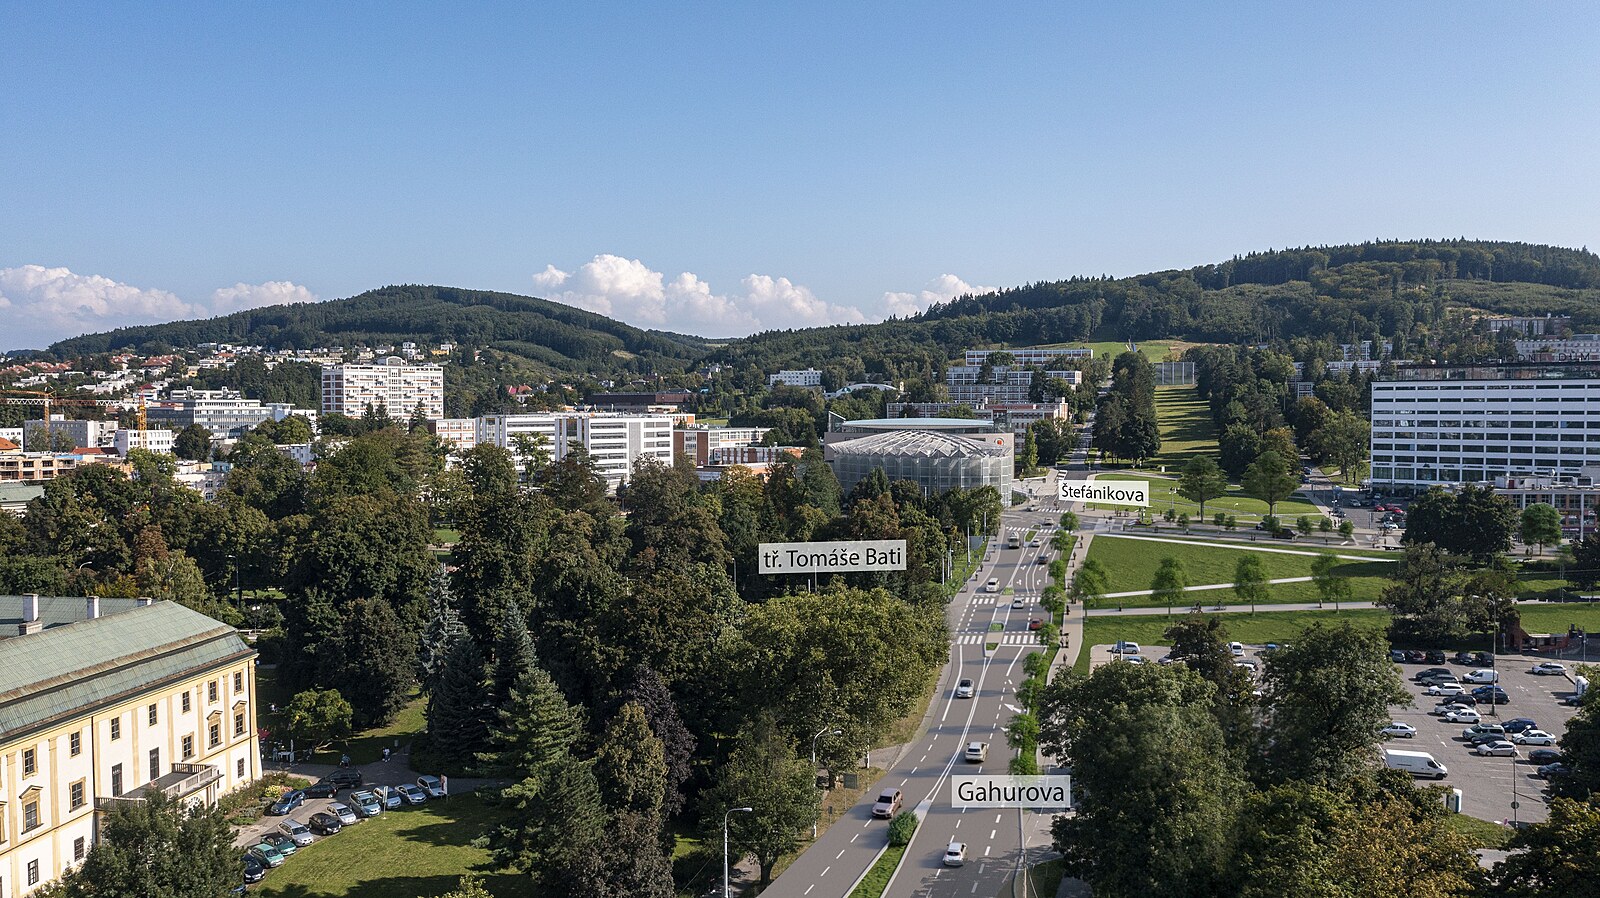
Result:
[[1490, 785], [251, 834]]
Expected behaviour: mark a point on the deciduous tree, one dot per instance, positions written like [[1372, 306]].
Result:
[[1202, 481]]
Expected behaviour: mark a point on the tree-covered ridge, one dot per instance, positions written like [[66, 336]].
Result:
[[561, 337]]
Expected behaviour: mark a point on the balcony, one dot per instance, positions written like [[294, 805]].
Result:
[[183, 781]]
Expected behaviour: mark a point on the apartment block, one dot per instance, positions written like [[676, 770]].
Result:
[[808, 377], [394, 385], [1029, 356], [614, 442], [161, 440], [226, 413]]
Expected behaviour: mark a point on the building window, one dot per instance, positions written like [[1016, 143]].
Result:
[[33, 872], [215, 734], [240, 767], [75, 744], [238, 682], [30, 762], [185, 701], [155, 763], [30, 816], [76, 792], [211, 691], [188, 747], [79, 849], [238, 724], [116, 728], [150, 714], [116, 780]]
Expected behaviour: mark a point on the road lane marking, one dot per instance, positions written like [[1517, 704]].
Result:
[[992, 832], [825, 870], [809, 888], [839, 855], [855, 837]]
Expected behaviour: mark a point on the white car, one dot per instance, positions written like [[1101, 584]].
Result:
[[1482, 729], [1236, 649], [1399, 730], [1017, 602], [955, 854], [1446, 706], [1125, 648], [964, 689], [1500, 748], [1464, 715], [976, 752], [296, 831], [1134, 659], [346, 816], [1445, 689], [1548, 668], [992, 586], [1534, 737]]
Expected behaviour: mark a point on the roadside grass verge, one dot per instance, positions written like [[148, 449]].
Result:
[[1481, 833], [1248, 509], [1131, 564], [878, 877]]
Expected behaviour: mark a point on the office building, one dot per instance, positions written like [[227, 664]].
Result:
[[1028, 356], [106, 701], [1574, 348], [461, 434], [971, 385], [393, 385], [1531, 326], [226, 413], [808, 377], [84, 434], [1451, 424], [614, 442], [161, 440], [697, 443]]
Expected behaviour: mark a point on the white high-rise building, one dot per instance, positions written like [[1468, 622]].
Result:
[[394, 385], [1470, 431], [806, 377], [614, 441]]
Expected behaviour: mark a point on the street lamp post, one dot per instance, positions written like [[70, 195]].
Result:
[[730, 812], [820, 733]]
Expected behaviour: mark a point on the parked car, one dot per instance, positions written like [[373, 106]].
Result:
[[1480, 677], [1445, 689], [285, 845], [1415, 656], [955, 854], [976, 752], [287, 803], [345, 778], [1035, 623], [1435, 656], [1548, 669], [1236, 649], [1533, 737], [888, 804], [1483, 659], [410, 793], [1397, 656], [1462, 658], [1462, 715], [390, 798], [431, 785], [324, 824], [965, 688], [254, 868], [366, 803], [1544, 756], [1518, 724], [322, 789], [1498, 749], [1484, 738], [1133, 659], [1435, 679], [1552, 770], [1449, 705], [344, 813], [297, 832], [1493, 694], [1398, 730], [1422, 675], [1125, 648], [268, 853], [1494, 729]]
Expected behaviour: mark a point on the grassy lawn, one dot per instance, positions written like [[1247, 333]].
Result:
[[402, 854], [1481, 833], [365, 747], [443, 536], [1164, 494], [1254, 629], [878, 877], [1186, 428], [1131, 564], [1556, 618]]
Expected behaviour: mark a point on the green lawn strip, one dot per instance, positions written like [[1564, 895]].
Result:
[[414, 851], [1131, 564], [365, 747], [878, 877], [1164, 494], [1481, 833], [1154, 350], [1253, 629], [1557, 618], [1186, 428], [1043, 880]]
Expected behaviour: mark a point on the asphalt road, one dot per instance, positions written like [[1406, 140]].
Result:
[[831, 867]]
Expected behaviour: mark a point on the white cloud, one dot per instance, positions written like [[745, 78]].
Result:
[[49, 304], [943, 288], [53, 303], [250, 296]]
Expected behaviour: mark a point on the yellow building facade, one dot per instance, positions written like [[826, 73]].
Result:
[[102, 701]]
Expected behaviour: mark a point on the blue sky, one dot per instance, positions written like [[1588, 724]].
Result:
[[720, 168]]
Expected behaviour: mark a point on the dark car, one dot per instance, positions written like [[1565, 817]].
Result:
[[1483, 659], [1550, 770], [254, 869], [1484, 738], [322, 789], [1397, 656], [1491, 693], [1035, 623], [287, 803], [1416, 656], [345, 778], [324, 824], [1422, 676], [1435, 656], [1518, 724], [1544, 756], [1462, 658]]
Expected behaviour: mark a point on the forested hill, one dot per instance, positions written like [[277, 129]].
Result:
[[1341, 294], [564, 339]]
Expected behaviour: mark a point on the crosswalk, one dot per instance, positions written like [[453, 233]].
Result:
[[1001, 638]]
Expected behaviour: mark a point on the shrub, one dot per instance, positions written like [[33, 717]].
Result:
[[902, 827]]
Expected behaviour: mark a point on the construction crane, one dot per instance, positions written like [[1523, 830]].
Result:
[[49, 400]]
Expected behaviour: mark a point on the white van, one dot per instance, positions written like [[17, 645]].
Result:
[[992, 586], [1125, 648], [1416, 763], [1482, 676]]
